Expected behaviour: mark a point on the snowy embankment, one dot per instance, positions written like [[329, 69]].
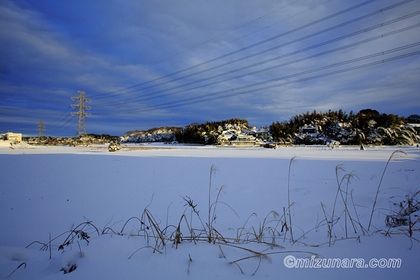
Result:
[[48, 191]]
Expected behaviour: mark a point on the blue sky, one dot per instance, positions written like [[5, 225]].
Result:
[[148, 64]]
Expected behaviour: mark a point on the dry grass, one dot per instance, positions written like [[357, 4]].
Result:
[[271, 231], [379, 186], [23, 264], [288, 198], [406, 220]]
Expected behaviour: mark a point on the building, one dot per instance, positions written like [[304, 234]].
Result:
[[416, 126], [15, 138], [244, 140]]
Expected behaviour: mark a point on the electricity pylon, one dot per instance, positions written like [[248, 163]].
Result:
[[81, 128], [41, 128]]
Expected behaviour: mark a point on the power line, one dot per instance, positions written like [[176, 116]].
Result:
[[311, 8], [188, 102], [60, 119], [264, 85], [354, 7], [230, 92], [66, 125], [153, 95]]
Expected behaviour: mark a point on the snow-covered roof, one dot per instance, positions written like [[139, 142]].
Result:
[[414, 124]]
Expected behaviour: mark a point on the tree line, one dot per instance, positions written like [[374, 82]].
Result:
[[367, 126]]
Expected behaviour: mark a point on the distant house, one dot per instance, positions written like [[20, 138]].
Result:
[[260, 133], [224, 139], [15, 138], [244, 140]]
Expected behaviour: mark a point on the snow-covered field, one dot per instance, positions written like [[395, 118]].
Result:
[[66, 193]]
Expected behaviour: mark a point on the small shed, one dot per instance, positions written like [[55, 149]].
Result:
[[15, 138]]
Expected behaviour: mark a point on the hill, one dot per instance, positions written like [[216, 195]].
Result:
[[366, 127]]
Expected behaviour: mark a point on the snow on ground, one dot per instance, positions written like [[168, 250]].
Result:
[[51, 190]]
